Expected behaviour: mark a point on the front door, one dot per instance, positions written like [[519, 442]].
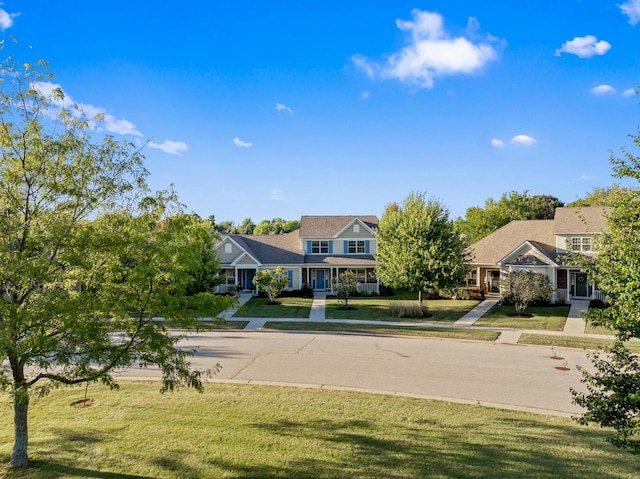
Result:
[[582, 288], [247, 279], [319, 280]]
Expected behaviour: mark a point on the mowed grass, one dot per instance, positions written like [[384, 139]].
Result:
[[288, 308], [242, 431], [574, 342], [377, 308], [469, 334], [551, 318]]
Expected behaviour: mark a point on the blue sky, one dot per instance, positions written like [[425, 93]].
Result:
[[286, 108]]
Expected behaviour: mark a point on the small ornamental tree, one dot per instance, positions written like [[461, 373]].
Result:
[[523, 287], [346, 285], [271, 282]]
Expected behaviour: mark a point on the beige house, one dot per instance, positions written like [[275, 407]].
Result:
[[540, 246], [312, 256]]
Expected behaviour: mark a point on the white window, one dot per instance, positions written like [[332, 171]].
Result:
[[356, 247], [356, 228], [231, 276], [581, 243], [227, 248], [319, 247]]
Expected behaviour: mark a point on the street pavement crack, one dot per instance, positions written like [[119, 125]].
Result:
[[380, 348]]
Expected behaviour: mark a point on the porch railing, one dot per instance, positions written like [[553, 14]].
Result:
[[368, 288]]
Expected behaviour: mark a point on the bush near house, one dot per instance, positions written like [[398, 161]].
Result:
[[522, 288]]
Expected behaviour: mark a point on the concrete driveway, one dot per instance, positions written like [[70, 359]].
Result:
[[500, 375]]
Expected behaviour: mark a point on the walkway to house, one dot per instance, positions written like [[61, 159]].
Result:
[[574, 326]]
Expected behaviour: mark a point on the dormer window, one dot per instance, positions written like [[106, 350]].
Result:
[[581, 244]]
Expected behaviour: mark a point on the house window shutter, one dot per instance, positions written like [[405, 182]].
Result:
[[330, 247], [290, 276], [366, 246], [308, 247], [346, 247]]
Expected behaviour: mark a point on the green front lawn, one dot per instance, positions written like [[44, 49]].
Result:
[[243, 431], [550, 318], [377, 308], [471, 334], [288, 308], [577, 342]]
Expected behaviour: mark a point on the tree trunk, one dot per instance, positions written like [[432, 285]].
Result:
[[21, 438], [420, 297]]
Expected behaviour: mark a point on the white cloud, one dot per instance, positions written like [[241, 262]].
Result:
[[243, 144], [277, 195], [364, 95], [585, 177], [523, 140], [97, 116], [631, 8], [431, 52], [170, 147], [629, 92], [280, 107], [603, 90], [497, 143], [584, 47], [6, 19]]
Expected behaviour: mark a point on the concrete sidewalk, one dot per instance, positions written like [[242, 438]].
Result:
[[575, 325], [477, 312]]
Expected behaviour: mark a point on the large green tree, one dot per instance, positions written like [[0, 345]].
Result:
[[87, 256], [419, 248], [613, 396], [606, 196], [482, 221]]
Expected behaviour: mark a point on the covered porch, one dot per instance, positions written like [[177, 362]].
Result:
[[323, 278]]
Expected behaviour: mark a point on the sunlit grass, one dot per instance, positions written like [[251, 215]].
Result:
[[577, 342], [450, 333], [242, 431], [377, 308], [288, 308], [550, 318]]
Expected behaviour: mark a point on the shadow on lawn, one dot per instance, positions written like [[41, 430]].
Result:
[[357, 449], [54, 470]]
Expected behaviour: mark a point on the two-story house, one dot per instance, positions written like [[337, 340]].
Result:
[[312, 256], [541, 246]]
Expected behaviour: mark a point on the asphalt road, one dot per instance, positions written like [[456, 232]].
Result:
[[502, 375]]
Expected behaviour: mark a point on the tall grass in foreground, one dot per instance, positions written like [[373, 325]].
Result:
[[241, 431]]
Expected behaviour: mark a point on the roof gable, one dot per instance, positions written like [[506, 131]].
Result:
[[331, 226], [499, 244], [527, 254]]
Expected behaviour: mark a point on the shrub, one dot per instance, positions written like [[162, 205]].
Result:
[[386, 290], [455, 293], [522, 288], [408, 309], [597, 304]]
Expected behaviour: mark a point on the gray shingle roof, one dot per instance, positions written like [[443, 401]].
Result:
[[500, 243], [366, 260], [272, 249], [330, 226], [540, 233], [586, 219]]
